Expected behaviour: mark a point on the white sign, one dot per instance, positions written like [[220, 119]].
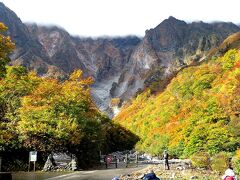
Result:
[[33, 156]]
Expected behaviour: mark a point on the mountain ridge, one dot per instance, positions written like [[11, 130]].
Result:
[[120, 66], [165, 49]]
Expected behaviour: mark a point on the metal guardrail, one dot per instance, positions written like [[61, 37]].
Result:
[[135, 161]]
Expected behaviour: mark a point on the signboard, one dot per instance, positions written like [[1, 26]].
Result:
[[33, 156], [108, 159]]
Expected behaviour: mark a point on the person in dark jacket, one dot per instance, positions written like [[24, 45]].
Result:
[[150, 176], [165, 157]]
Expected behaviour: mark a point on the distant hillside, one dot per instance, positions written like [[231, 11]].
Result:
[[199, 109]]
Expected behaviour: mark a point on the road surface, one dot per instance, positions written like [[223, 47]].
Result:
[[106, 174]]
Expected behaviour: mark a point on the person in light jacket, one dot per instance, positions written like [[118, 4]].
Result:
[[229, 174]]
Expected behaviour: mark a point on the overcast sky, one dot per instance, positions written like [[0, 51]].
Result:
[[120, 17]]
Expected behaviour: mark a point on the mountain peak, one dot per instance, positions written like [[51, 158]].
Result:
[[1, 4], [3, 7], [172, 18]]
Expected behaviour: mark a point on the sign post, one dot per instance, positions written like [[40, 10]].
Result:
[[136, 159], [32, 158], [108, 160], [0, 164], [126, 160]]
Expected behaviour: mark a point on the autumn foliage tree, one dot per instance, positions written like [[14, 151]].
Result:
[[47, 115], [6, 47], [199, 110], [55, 114], [16, 84]]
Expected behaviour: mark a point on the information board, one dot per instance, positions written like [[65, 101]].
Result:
[[33, 156]]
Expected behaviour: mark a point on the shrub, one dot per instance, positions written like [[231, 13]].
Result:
[[220, 162], [200, 159], [229, 59], [236, 161], [236, 165]]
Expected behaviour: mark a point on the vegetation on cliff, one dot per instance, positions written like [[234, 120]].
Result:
[[199, 110]]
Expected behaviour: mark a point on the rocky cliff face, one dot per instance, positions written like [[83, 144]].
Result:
[[166, 49], [120, 66], [51, 51], [105, 59], [102, 58], [29, 51], [58, 46]]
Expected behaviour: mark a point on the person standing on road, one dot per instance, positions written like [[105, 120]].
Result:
[[165, 157]]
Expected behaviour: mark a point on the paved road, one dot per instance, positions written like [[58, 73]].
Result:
[[78, 175]]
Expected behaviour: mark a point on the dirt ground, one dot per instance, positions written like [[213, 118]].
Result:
[[173, 173]]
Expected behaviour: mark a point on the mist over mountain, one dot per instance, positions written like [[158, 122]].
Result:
[[120, 66]]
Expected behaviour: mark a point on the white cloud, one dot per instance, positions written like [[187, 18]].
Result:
[[120, 17]]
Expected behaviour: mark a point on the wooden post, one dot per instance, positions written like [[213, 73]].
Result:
[[0, 164], [126, 160], [34, 166], [100, 155], [115, 161], [29, 163], [136, 159], [105, 159]]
